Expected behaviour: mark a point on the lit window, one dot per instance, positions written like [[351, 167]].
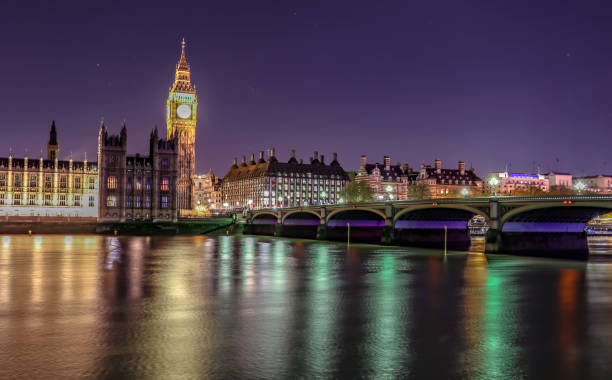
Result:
[[62, 200], [92, 183], [77, 201], [32, 200], [138, 184], [111, 201], [129, 183], [128, 201], [2, 180], [48, 200], [32, 180], [2, 198], [17, 182], [63, 182], [164, 201], [77, 182], [148, 201], [148, 183], [92, 202], [164, 184], [137, 201], [17, 199], [111, 182]]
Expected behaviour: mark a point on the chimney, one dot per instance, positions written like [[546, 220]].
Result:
[[363, 160], [387, 163], [316, 155], [261, 154], [243, 163], [235, 161], [322, 160], [271, 152], [438, 165], [406, 168], [311, 160], [252, 161], [335, 156], [461, 167]]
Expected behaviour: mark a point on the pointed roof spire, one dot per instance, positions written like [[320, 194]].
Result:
[[182, 77], [53, 134]]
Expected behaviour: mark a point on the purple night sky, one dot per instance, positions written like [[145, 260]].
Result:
[[488, 82]]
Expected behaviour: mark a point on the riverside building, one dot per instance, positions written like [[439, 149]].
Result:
[[206, 193], [509, 183], [137, 188], [48, 188], [271, 183], [388, 181], [181, 121], [450, 182]]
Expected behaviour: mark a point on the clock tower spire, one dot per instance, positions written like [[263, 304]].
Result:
[[181, 120]]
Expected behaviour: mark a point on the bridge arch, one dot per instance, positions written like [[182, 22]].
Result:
[[410, 209], [303, 211], [263, 215], [349, 209], [595, 207]]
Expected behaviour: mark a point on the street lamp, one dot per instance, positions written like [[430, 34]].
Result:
[[323, 195], [493, 182], [280, 200], [580, 186], [465, 192]]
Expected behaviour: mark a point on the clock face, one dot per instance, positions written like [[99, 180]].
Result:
[[183, 111]]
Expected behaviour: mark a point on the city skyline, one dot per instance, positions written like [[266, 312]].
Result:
[[295, 80]]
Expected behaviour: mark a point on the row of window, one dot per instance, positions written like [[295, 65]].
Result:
[[32, 200], [112, 183], [113, 201], [18, 181]]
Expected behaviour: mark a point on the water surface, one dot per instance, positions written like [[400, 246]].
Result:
[[251, 307]]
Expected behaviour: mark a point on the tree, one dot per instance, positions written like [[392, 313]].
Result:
[[357, 192], [419, 190]]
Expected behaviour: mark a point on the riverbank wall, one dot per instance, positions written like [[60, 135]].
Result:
[[90, 226]]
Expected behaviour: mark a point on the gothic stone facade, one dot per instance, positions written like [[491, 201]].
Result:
[[137, 188], [48, 188]]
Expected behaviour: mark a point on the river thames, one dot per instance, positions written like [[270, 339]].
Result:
[[256, 307]]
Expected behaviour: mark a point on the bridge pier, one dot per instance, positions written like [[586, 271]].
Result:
[[493, 238]]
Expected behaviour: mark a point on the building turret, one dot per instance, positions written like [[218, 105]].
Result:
[[52, 146]]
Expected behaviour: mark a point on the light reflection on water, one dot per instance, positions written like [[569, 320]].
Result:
[[249, 307]]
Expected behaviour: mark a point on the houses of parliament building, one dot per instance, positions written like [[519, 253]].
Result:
[[118, 187]]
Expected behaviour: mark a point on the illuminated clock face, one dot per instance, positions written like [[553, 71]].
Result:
[[183, 111]]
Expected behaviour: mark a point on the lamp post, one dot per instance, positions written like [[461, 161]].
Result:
[[389, 189], [280, 200], [580, 186], [493, 182], [465, 192], [323, 195]]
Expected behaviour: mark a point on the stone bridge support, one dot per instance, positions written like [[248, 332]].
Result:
[[493, 238]]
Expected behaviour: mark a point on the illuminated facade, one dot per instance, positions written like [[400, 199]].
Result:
[[48, 188], [206, 192], [388, 181], [137, 188], [601, 184], [181, 120], [270, 183], [450, 182], [510, 183]]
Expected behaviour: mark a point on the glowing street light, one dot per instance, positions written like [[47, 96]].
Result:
[[465, 192], [493, 182], [580, 186]]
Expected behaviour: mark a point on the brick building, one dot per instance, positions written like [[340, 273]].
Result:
[[388, 181], [450, 182], [271, 183]]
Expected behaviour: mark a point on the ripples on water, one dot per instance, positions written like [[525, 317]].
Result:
[[248, 307]]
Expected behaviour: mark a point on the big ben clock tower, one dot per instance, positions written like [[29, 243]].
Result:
[[181, 120]]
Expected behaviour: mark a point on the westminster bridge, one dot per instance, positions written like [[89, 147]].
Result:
[[546, 225]]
